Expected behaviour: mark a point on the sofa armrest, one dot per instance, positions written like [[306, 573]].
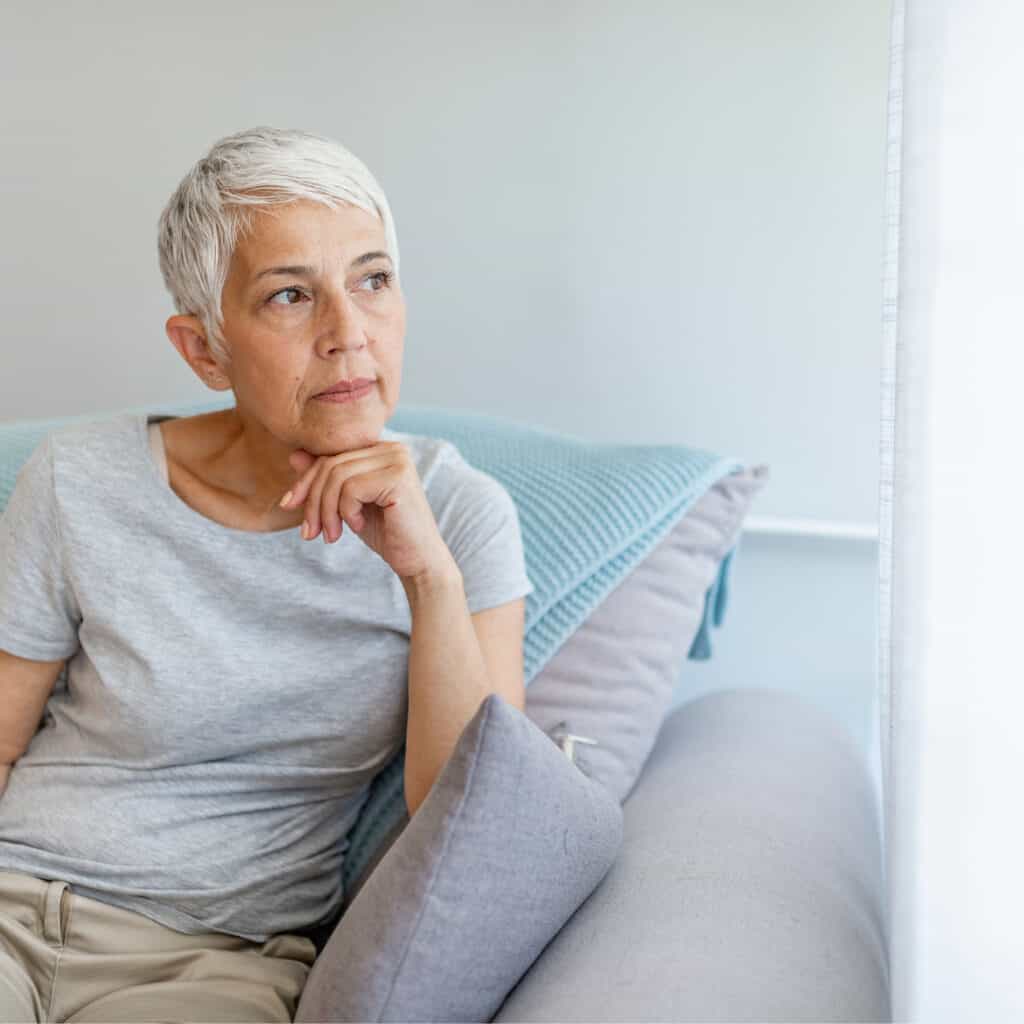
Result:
[[749, 886]]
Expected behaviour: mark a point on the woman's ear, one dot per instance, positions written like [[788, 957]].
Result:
[[189, 338]]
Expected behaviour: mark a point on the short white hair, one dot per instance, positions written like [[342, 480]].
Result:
[[211, 209]]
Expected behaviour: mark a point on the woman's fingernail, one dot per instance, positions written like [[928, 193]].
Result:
[[305, 530], [284, 501]]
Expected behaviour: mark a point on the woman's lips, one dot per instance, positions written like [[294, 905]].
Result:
[[347, 396]]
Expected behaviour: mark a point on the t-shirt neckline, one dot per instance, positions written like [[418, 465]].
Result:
[[170, 500]]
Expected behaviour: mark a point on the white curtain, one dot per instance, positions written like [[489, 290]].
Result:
[[951, 635]]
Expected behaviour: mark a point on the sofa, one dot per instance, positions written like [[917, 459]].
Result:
[[747, 883]]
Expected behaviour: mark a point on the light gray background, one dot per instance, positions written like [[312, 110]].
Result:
[[660, 222]]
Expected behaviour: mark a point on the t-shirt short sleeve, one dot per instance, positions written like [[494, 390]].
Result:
[[480, 524], [39, 615]]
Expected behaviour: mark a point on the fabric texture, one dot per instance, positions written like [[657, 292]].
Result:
[[65, 957], [508, 843], [229, 694], [749, 886]]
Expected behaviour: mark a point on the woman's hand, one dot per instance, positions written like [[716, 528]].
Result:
[[377, 492]]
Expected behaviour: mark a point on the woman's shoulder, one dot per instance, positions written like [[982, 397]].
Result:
[[87, 454], [82, 440]]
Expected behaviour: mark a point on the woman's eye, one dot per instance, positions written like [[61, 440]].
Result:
[[384, 275], [284, 291]]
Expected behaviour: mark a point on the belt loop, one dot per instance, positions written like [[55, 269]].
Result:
[[53, 920]]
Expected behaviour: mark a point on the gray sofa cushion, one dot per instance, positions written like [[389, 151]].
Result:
[[509, 841], [749, 886]]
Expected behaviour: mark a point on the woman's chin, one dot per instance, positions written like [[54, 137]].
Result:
[[344, 438]]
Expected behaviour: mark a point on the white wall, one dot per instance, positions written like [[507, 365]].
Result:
[[660, 222]]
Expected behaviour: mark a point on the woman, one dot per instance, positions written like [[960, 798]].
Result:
[[174, 832]]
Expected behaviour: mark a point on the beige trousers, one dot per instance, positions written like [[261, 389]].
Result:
[[66, 957]]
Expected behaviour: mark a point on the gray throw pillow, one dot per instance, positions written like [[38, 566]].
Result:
[[511, 839]]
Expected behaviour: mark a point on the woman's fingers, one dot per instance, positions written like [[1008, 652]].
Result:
[[321, 489], [297, 495], [335, 507], [328, 505], [313, 496]]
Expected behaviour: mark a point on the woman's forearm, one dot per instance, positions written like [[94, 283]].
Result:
[[448, 680]]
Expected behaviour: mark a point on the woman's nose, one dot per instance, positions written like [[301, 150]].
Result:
[[340, 325]]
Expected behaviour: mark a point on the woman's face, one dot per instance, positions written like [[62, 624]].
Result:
[[333, 315]]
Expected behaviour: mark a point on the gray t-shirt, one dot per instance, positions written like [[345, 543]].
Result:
[[229, 695]]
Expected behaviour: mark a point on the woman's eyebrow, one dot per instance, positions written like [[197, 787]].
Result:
[[310, 271]]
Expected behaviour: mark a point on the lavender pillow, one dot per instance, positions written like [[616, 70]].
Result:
[[509, 842]]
